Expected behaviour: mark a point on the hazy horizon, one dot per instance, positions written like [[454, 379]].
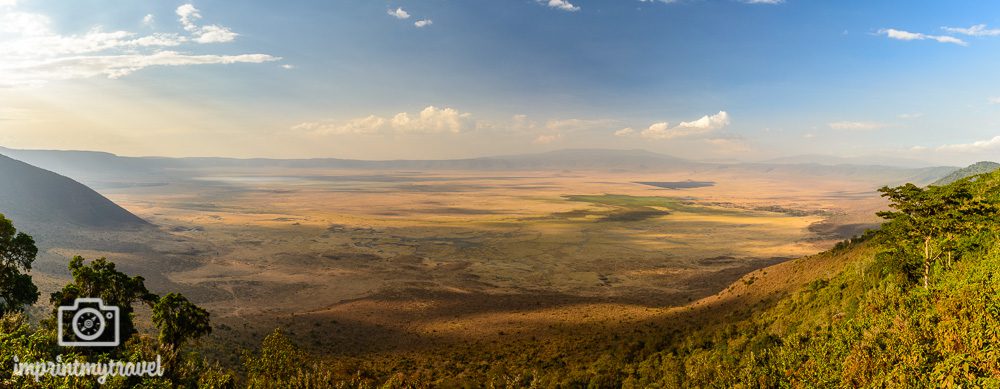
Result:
[[822, 159], [700, 80]]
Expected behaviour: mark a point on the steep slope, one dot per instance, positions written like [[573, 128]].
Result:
[[971, 170], [868, 320], [33, 196]]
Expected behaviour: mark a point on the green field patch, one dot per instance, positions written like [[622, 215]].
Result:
[[632, 207]]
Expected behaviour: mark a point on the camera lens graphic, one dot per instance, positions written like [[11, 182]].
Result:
[[88, 324]]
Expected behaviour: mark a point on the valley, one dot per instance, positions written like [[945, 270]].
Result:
[[364, 261]]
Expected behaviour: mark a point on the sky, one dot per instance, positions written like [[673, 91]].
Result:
[[734, 80]]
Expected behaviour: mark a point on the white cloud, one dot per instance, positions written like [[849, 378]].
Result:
[[856, 126], [288, 66], [47, 44], [994, 100], [399, 13], [913, 36], [909, 116], [112, 66], [706, 122], [627, 131], [430, 120], [148, 20], [977, 146], [35, 54], [564, 5], [976, 30], [704, 125], [546, 139], [188, 14], [423, 23], [215, 34], [24, 24], [211, 33]]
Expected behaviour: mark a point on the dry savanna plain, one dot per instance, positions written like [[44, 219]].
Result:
[[356, 263]]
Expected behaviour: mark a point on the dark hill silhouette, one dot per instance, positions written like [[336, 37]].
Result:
[[32, 196]]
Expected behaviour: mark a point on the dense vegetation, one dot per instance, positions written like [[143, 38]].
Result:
[[916, 305], [923, 311]]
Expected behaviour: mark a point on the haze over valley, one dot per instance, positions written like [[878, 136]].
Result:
[[378, 254]]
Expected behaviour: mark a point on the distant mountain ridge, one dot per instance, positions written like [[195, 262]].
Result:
[[36, 197], [820, 159], [969, 171], [102, 170]]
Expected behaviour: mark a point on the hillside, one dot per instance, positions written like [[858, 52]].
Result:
[[872, 322], [35, 197], [971, 170]]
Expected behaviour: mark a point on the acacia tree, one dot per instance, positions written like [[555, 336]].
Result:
[[934, 218], [17, 252]]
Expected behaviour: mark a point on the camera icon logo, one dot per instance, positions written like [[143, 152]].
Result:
[[90, 322]]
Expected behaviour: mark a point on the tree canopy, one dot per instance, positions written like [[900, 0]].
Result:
[[17, 252]]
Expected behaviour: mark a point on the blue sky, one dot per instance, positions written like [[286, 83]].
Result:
[[719, 79]]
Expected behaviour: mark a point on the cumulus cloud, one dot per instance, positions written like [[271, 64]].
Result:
[[704, 125], [215, 34], [148, 20], [211, 33], [399, 13], [188, 14], [423, 23], [914, 36], [35, 54], [856, 126], [430, 120], [563, 5], [976, 30]]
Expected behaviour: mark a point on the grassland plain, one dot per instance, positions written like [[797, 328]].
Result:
[[371, 264]]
